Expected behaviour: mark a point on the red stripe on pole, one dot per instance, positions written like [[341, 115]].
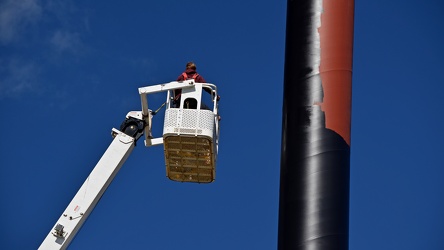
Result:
[[336, 35]]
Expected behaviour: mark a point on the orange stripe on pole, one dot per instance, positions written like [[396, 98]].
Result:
[[336, 36]]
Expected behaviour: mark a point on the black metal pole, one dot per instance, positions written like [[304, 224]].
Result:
[[315, 157]]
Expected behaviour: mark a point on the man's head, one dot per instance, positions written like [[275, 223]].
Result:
[[191, 65]]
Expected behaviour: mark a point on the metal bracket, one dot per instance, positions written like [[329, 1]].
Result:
[[133, 127], [58, 231]]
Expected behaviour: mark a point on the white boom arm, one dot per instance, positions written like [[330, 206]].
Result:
[[89, 194], [137, 123]]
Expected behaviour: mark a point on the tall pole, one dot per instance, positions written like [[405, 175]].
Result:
[[315, 154]]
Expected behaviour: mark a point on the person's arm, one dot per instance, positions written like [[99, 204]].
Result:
[[209, 91], [202, 80], [199, 78]]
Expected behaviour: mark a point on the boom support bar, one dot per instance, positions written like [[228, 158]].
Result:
[[90, 193]]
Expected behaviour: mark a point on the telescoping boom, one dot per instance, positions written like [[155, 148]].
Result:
[[190, 139]]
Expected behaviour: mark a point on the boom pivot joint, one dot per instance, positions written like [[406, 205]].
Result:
[[133, 127]]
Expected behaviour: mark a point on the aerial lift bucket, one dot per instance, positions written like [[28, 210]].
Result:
[[190, 132], [190, 136]]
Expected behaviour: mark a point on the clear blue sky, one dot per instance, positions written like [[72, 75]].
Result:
[[69, 72]]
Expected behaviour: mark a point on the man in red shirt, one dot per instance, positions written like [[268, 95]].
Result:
[[188, 74]]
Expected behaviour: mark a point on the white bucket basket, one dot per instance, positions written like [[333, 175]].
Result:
[[190, 138], [190, 132]]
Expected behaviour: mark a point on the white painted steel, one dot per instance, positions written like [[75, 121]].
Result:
[[190, 135], [190, 89], [144, 91], [165, 87], [189, 121], [92, 189]]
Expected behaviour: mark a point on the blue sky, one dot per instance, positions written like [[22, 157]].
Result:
[[69, 72]]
